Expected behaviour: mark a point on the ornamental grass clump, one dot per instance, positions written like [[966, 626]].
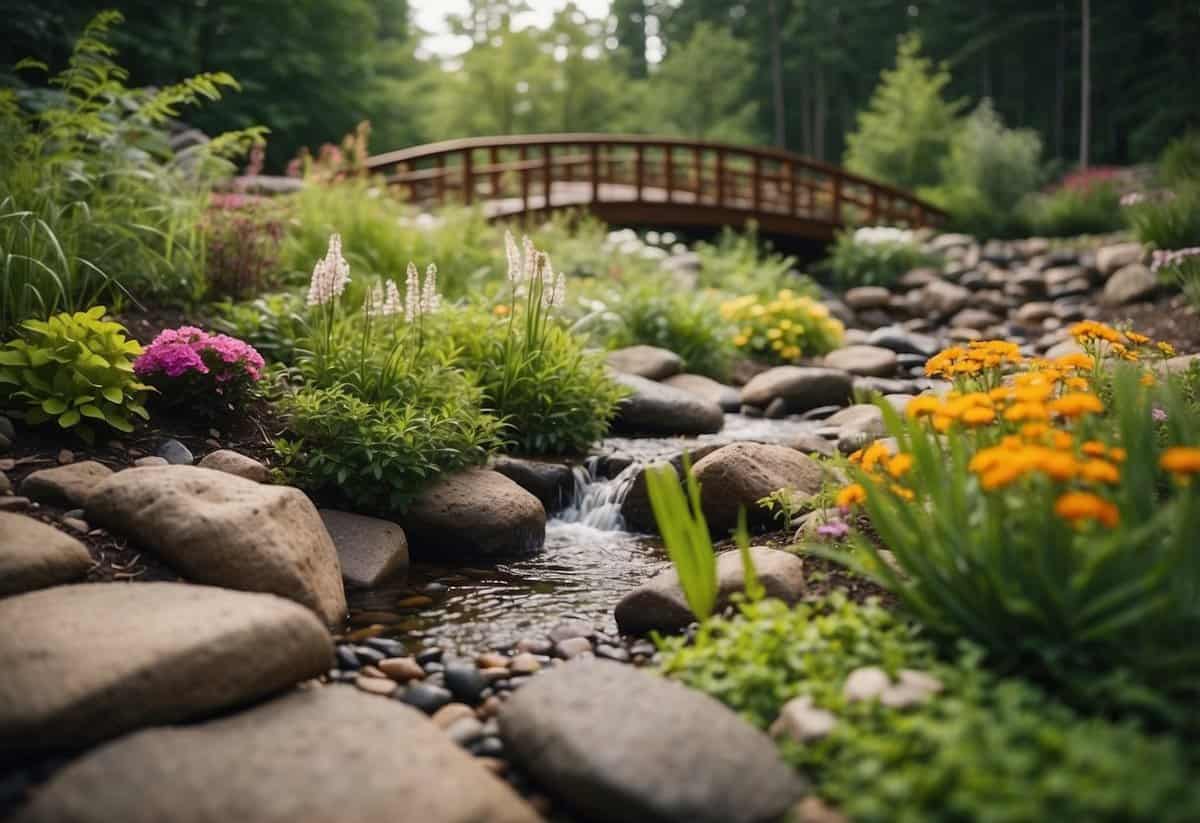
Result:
[[782, 329], [1053, 526], [212, 374], [1181, 267]]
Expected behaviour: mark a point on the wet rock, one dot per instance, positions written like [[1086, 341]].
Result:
[[649, 362], [727, 397], [226, 531], [426, 697], [402, 669], [871, 361], [34, 555], [67, 486], [739, 475], [656, 408], [617, 743], [370, 551], [551, 483], [465, 731], [475, 513], [635, 509], [231, 462], [659, 604], [464, 681], [801, 387], [1128, 285], [315, 755], [175, 453], [90, 661], [777, 409]]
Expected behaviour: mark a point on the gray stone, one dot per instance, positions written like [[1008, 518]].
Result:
[[902, 341], [617, 743], [1111, 258], [475, 513], [1129, 284], [7, 429], [659, 604], [227, 531], [231, 462], [974, 319], [67, 486], [945, 298], [315, 755], [1031, 315], [858, 424], [867, 297], [370, 550], [176, 453], [656, 408], [802, 387], [34, 555], [869, 361], [551, 483], [650, 362], [89, 661], [707, 389], [739, 475]]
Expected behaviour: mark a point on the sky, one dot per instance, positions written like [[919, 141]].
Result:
[[431, 16]]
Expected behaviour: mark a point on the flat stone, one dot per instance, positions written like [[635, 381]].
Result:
[[224, 530], [524, 663], [13, 503], [617, 743], [867, 297], [708, 390], [659, 604], [86, 662], [451, 713], [551, 483], [227, 460], [1032, 314], [1118, 256], [316, 755], [802, 387], [175, 453], [150, 460], [370, 550], [426, 696], [572, 647], [945, 298], [402, 669], [34, 555], [475, 513], [974, 319], [862, 421], [870, 361], [649, 362], [1128, 285], [67, 486], [739, 475], [656, 408], [383, 687], [903, 341]]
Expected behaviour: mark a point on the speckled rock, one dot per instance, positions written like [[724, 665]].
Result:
[[67, 486], [227, 460]]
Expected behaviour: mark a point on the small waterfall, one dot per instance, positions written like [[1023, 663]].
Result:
[[597, 500]]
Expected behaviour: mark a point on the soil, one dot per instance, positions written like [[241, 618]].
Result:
[[1170, 319]]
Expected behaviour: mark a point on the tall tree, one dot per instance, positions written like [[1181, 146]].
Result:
[[1085, 82]]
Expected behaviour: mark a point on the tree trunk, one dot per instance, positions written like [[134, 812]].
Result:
[[819, 114], [777, 74], [1060, 84], [1085, 85]]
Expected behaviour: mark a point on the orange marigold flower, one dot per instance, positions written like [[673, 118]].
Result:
[[1077, 384], [1061, 440], [501, 310], [1091, 330], [874, 455], [1075, 360], [1181, 460], [856, 456], [851, 495], [1148, 379], [942, 423], [978, 416], [1003, 474], [1034, 431], [1094, 448], [1116, 454], [900, 491], [1059, 466], [1001, 393], [986, 459], [1138, 339], [922, 406], [1099, 471], [1076, 506], [1025, 411], [1077, 404], [900, 465]]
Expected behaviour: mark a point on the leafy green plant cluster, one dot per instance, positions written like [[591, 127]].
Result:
[[1171, 221], [739, 262], [875, 256], [76, 370], [1180, 161], [272, 323], [984, 748], [1071, 211], [93, 204]]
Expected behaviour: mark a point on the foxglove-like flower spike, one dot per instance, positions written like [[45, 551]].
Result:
[[412, 294], [514, 258], [531, 258], [430, 299], [330, 275], [391, 301]]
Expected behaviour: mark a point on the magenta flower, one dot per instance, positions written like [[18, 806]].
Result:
[[190, 365], [834, 529]]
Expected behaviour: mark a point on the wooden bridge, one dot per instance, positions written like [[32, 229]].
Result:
[[633, 180]]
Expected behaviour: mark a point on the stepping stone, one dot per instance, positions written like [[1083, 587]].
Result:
[[869, 361], [34, 555], [322, 754], [475, 513], [650, 362], [801, 387], [66, 486], [616, 743], [370, 550], [90, 661], [224, 530], [659, 604], [656, 408], [707, 389], [227, 460]]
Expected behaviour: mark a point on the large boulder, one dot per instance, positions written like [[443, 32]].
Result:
[[801, 388], [870, 361], [737, 476], [370, 550], [636, 512], [90, 661], [475, 513], [656, 408], [224, 530], [618, 743], [650, 362], [66, 486], [659, 604], [34, 555], [707, 389], [322, 754], [1129, 284]]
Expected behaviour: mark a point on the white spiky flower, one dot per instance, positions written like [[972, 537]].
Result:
[[529, 271], [412, 294], [391, 301], [373, 301], [514, 258], [330, 275], [431, 301]]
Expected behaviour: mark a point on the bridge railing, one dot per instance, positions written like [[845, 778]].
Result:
[[528, 173]]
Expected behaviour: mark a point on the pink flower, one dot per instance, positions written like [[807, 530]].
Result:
[[175, 352]]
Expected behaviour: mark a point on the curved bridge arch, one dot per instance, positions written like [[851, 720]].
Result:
[[631, 179]]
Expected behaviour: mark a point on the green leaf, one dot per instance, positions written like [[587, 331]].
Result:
[[69, 419], [90, 410], [112, 394], [54, 405]]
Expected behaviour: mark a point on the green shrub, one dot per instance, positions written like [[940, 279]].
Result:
[[93, 205], [73, 369], [738, 262], [1181, 268], [273, 324], [1180, 161], [875, 256], [989, 170], [782, 329], [984, 748], [1170, 221], [1068, 212]]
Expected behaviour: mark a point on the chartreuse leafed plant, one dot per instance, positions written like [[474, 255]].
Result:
[[75, 370], [782, 329], [92, 203], [382, 412], [980, 748], [553, 396], [1026, 513]]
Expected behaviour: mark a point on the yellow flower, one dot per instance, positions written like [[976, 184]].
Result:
[[901, 492], [1147, 379], [1181, 460], [1077, 404], [1138, 339], [1087, 330], [741, 340], [874, 455], [922, 406], [1094, 448], [978, 416], [1166, 348], [1025, 411], [851, 495], [900, 465], [774, 334], [1077, 384], [1077, 360], [1076, 506], [501, 310], [1099, 471]]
